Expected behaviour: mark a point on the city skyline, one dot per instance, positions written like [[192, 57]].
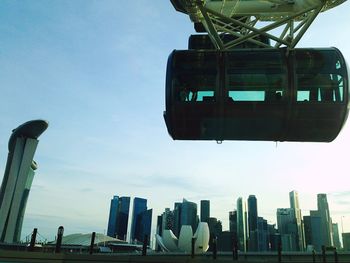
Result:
[[252, 232], [96, 72]]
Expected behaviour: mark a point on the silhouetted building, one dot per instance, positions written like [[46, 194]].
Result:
[[294, 203], [205, 210], [336, 237], [287, 228], [189, 214], [346, 241], [159, 230], [313, 231], [167, 219], [326, 223], [177, 218], [139, 206], [18, 177], [263, 237], [274, 237], [118, 217], [253, 223], [215, 230], [241, 225], [233, 222], [143, 226], [225, 241]]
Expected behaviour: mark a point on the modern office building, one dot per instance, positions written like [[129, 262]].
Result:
[[336, 236], [143, 227], [205, 210], [113, 212], [241, 225], [294, 203], [253, 223], [326, 222], [287, 228], [18, 178], [274, 237], [189, 214], [118, 217], [313, 231], [177, 218], [263, 235], [233, 222], [167, 219], [139, 206], [346, 241], [215, 230]]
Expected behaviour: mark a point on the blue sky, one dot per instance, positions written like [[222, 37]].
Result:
[[96, 71]]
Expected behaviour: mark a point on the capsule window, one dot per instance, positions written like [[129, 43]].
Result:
[[196, 90], [256, 77], [320, 88]]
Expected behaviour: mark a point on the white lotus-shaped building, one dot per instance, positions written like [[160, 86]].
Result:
[[170, 243]]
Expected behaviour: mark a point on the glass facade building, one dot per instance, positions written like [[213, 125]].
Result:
[[139, 206], [118, 217], [294, 203], [253, 223], [143, 226], [205, 210], [326, 222], [241, 225], [189, 214]]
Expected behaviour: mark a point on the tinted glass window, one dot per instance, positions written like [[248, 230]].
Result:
[[319, 76], [195, 76], [255, 76]]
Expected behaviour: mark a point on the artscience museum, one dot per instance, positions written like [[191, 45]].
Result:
[[170, 243]]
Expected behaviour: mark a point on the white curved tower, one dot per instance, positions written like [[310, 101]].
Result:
[[18, 177]]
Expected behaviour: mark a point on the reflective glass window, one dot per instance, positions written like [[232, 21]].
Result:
[[319, 76], [195, 76], [255, 76]]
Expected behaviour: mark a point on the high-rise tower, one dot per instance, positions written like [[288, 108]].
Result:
[[241, 225], [205, 210], [294, 204], [139, 206], [253, 223], [118, 217], [18, 178], [189, 214], [287, 228], [326, 222]]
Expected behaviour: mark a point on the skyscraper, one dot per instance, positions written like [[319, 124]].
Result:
[[189, 214], [233, 222], [118, 217], [336, 236], [313, 231], [143, 226], [205, 210], [139, 206], [177, 218], [113, 213], [326, 222], [241, 225], [294, 204], [263, 235], [18, 178], [253, 223], [346, 241], [167, 220], [287, 228]]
